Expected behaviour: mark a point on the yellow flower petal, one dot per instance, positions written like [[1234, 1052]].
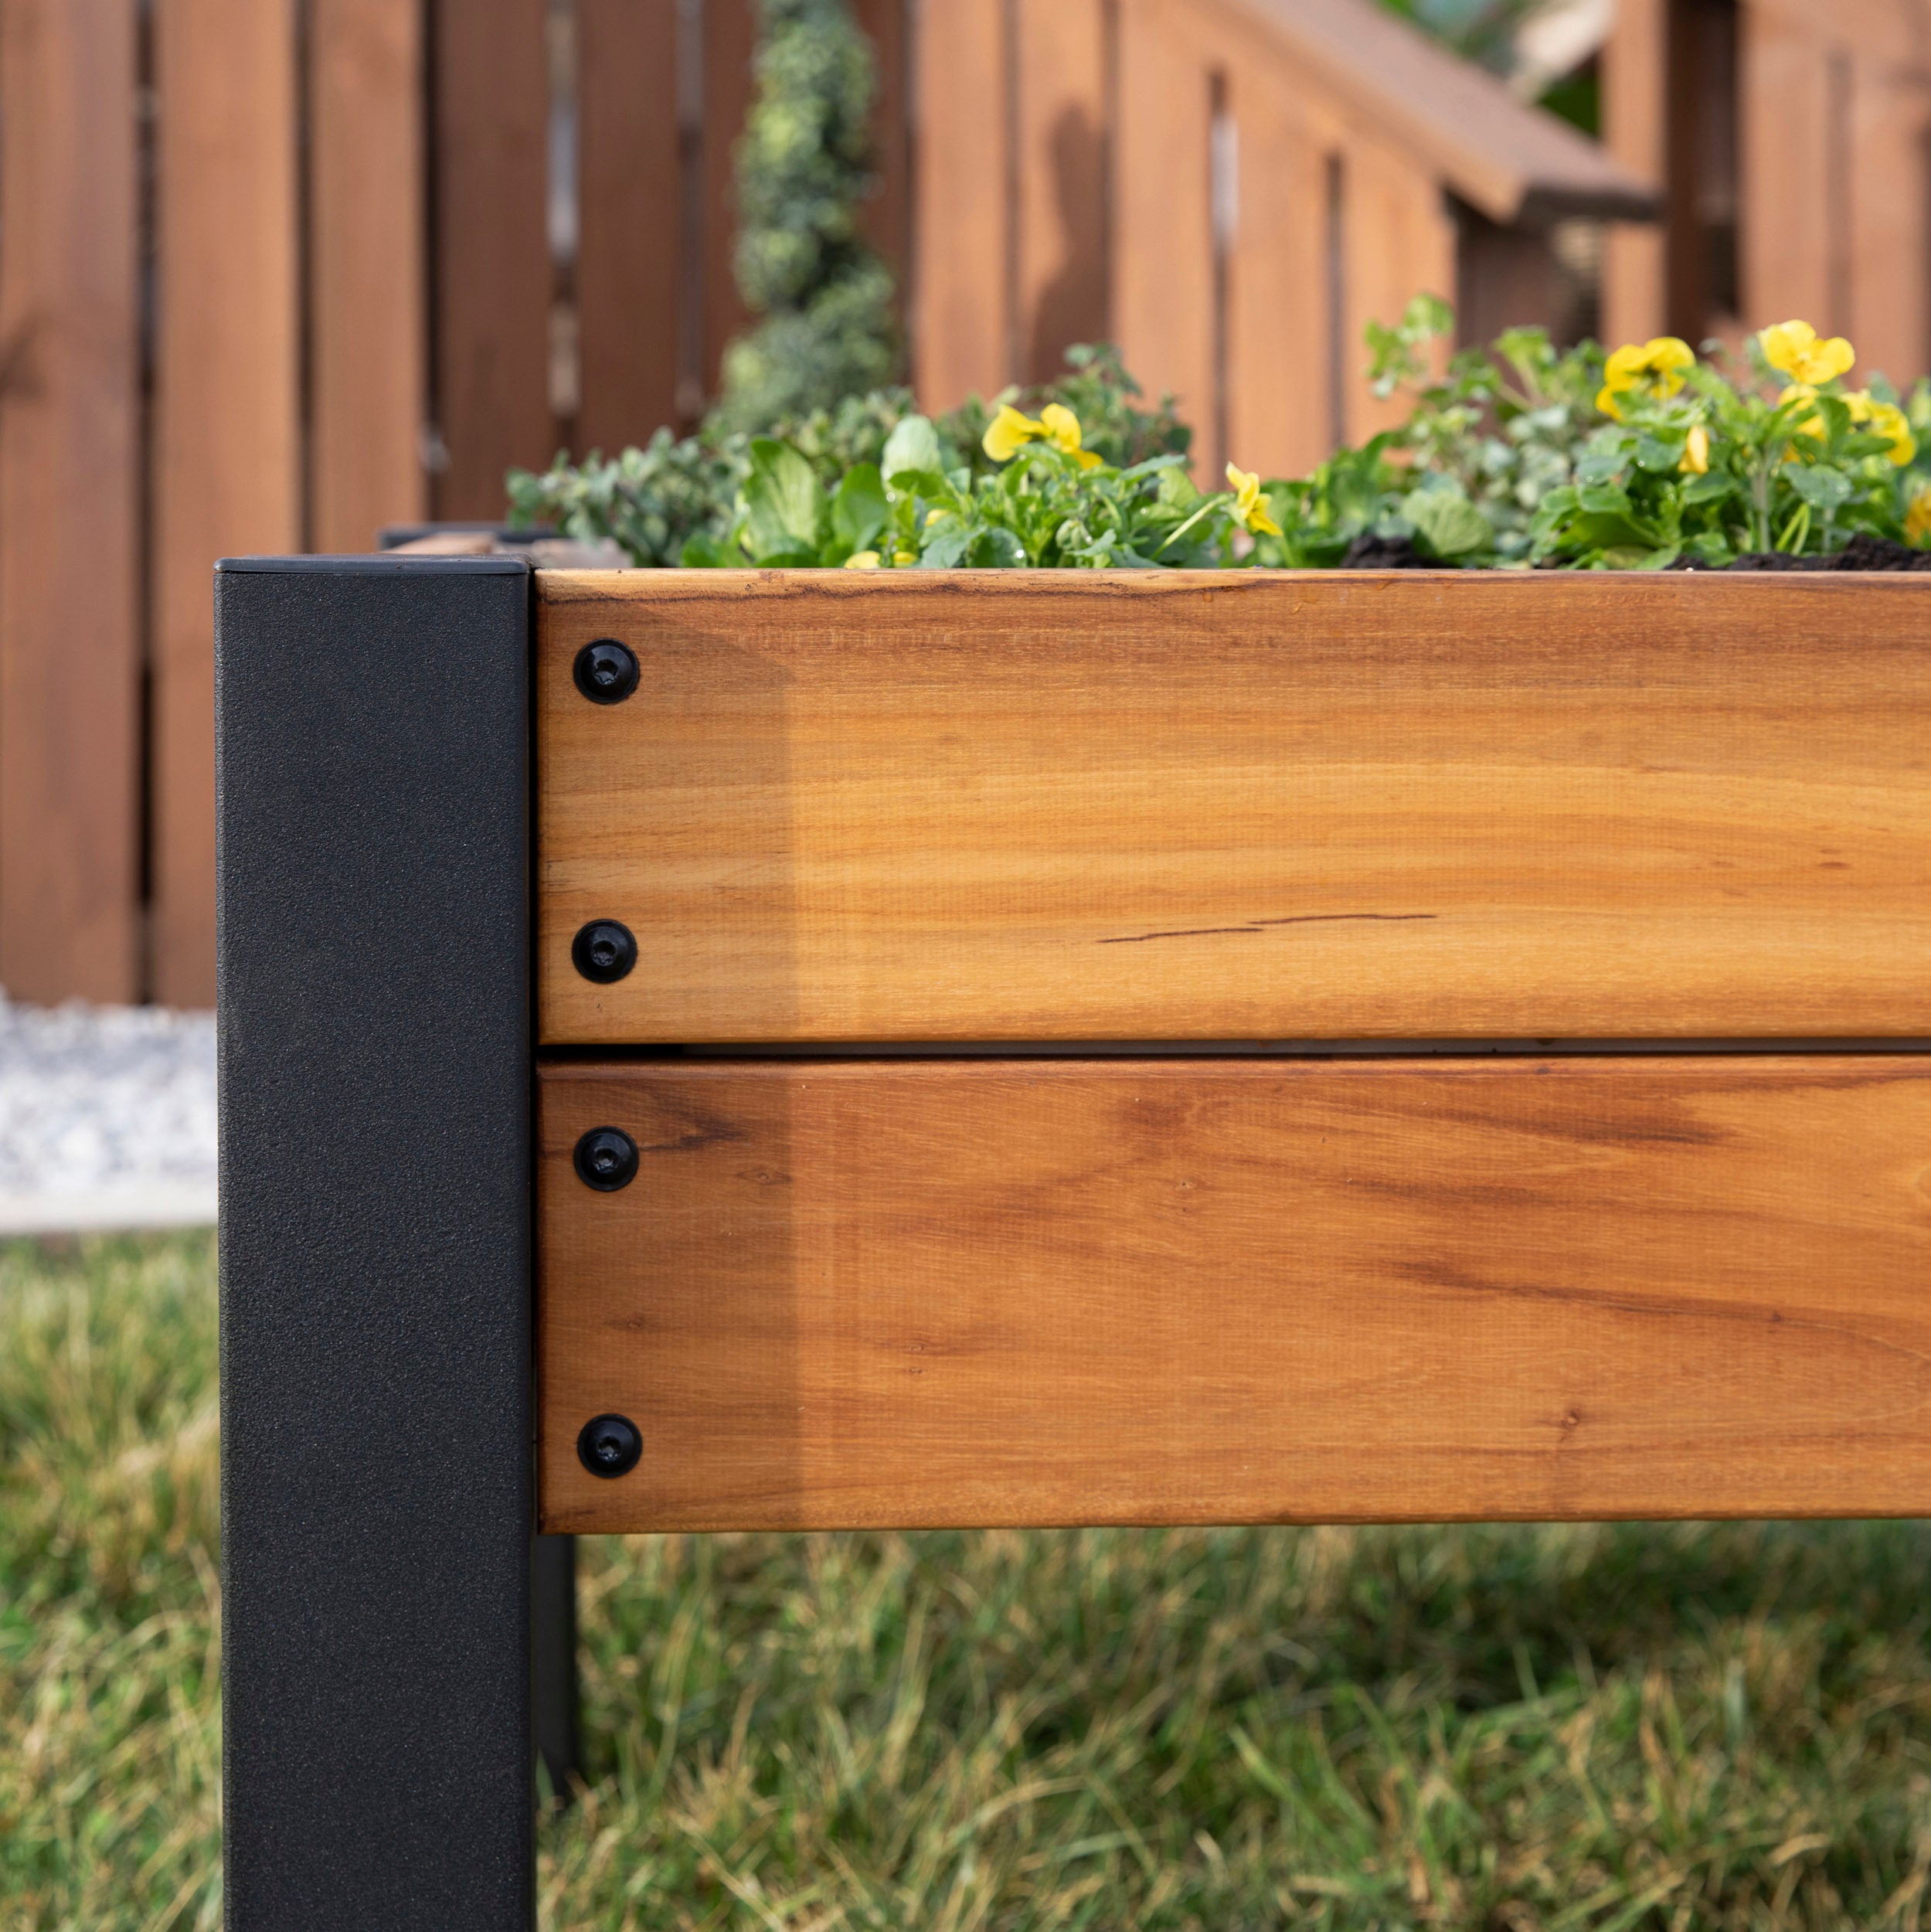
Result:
[[1804, 392], [1009, 432], [1606, 402], [862, 560], [1794, 348], [1249, 505], [1886, 420], [1696, 451], [1656, 367], [1917, 518]]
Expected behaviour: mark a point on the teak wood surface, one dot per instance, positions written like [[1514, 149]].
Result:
[[848, 1293], [1150, 805]]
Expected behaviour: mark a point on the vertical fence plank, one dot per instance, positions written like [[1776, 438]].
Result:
[[493, 284], [730, 42], [69, 434], [887, 217], [227, 455], [629, 234], [959, 213], [1786, 231], [1164, 284], [367, 269], [1062, 208], [1635, 91]]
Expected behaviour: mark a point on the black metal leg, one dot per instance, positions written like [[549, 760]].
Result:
[[375, 1080], [553, 1688]]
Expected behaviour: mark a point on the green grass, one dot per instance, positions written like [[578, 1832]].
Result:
[[1618, 1727]]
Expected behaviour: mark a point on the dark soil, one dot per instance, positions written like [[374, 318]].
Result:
[[1862, 553], [1368, 551]]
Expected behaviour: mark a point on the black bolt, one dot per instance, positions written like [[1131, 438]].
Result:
[[606, 1159], [609, 1445], [604, 951], [605, 671]]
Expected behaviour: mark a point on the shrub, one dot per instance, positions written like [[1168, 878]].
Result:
[[804, 169]]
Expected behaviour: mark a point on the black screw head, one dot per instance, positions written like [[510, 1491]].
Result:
[[604, 951], [606, 1159], [609, 1445], [605, 671]]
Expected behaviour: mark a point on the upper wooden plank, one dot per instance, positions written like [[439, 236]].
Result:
[[1167, 806]]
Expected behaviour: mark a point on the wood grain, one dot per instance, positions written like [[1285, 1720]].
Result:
[[629, 198], [367, 269], [494, 278], [1154, 806], [69, 445], [851, 1294], [228, 440]]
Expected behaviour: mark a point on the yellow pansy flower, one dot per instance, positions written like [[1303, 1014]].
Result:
[[1917, 518], [1653, 369], [1886, 420], [1794, 348], [1249, 505], [1804, 392], [1010, 431], [862, 560], [1062, 432], [1696, 451]]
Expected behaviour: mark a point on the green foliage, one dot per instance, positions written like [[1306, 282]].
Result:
[[683, 501], [1606, 1728], [825, 298]]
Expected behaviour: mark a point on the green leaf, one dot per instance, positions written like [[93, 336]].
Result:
[[859, 510], [996, 549], [1821, 486], [704, 551], [946, 550], [1655, 453], [914, 444], [1604, 499], [929, 484], [1447, 525], [1710, 488], [783, 500]]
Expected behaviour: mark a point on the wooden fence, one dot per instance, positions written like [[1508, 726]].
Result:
[[275, 272]]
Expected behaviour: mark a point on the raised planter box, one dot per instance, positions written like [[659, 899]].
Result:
[[1024, 1049]]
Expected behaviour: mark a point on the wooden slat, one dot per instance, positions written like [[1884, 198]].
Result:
[[493, 275], [629, 220], [960, 216], [1635, 87], [1159, 806], [69, 443], [886, 218], [730, 42], [228, 415], [1063, 297], [368, 271], [849, 1295]]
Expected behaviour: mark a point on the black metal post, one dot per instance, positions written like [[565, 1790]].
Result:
[[553, 1685], [373, 733]]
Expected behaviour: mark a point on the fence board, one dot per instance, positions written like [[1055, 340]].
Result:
[[368, 271], [1198, 806], [858, 1295], [630, 226], [69, 440], [1163, 275], [493, 276], [1062, 200], [730, 39], [959, 335], [887, 215], [228, 450]]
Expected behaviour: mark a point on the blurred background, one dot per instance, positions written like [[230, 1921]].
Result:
[[275, 274]]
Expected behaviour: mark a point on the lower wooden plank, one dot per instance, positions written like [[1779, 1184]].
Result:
[[865, 1294]]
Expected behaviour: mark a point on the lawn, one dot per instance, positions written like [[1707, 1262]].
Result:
[[1620, 1726]]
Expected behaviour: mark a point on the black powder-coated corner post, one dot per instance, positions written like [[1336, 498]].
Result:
[[373, 733]]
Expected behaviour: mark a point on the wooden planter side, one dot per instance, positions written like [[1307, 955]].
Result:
[[1234, 806], [845, 1294]]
